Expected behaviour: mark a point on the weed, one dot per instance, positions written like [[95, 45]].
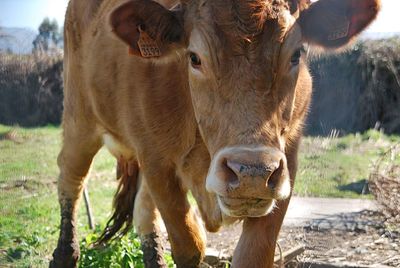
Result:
[[120, 253]]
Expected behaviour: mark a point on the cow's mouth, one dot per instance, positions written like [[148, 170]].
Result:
[[245, 207]]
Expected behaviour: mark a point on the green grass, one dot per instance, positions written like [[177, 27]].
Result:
[[28, 198], [339, 167]]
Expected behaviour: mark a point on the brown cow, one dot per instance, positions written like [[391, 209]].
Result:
[[210, 97]]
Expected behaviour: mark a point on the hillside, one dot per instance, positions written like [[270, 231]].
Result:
[[18, 40]]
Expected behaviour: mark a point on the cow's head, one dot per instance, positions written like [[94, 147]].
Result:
[[246, 73]]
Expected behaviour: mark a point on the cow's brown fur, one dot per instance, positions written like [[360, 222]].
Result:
[[172, 121]]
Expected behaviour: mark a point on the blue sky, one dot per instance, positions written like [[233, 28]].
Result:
[[30, 13]]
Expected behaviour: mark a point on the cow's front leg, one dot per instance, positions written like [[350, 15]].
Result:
[[186, 235], [74, 162], [256, 246], [147, 226]]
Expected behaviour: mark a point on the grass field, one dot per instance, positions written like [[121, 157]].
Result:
[[329, 167]]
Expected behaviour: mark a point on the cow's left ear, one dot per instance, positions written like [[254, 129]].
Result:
[[149, 29], [333, 23]]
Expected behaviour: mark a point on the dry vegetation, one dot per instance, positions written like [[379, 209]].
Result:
[[354, 91], [30, 89], [385, 185], [357, 90]]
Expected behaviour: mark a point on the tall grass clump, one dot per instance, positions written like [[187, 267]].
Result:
[[384, 182], [31, 89]]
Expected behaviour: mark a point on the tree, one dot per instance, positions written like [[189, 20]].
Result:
[[49, 36]]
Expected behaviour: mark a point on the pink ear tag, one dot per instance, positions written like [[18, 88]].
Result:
[[148, 47]]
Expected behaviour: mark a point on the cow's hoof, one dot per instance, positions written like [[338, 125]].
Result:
[[152, 251], [64, 259]]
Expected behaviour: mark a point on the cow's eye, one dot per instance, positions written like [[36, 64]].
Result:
[[295, 60], [195, 60]]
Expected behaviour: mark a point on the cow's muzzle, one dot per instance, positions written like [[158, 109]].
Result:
[[248, 180]]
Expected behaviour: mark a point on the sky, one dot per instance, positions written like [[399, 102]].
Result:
[[30, 13]]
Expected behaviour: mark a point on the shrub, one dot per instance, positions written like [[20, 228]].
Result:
[[384, 183], [358, 89], [30, 89], [353, 91]]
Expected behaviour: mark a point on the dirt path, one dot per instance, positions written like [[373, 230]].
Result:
[[338, 232], [301, 213], [303, 210]]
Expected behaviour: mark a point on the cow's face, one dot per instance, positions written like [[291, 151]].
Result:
[[245, 70]]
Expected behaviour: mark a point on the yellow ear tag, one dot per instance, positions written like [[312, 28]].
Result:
[[148, 47]]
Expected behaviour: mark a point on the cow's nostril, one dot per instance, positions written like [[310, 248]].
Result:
[[235, 167], [231, 176], [275, 176]]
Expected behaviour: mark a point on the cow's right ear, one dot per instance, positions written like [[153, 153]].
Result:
[[334, 23], [149, 29]]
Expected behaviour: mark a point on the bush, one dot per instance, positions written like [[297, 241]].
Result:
[[353, 91], [384, 183], [358, 89], [31, 89]]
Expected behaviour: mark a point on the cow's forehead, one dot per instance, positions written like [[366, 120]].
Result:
[[239, 25], [219, 37]]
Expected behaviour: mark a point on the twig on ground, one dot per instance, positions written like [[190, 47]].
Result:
[[289, 255], [88, 208]]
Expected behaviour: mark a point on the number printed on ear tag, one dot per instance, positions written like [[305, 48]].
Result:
[[148, 47]]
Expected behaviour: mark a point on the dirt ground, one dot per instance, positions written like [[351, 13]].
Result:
[[360, 239]]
